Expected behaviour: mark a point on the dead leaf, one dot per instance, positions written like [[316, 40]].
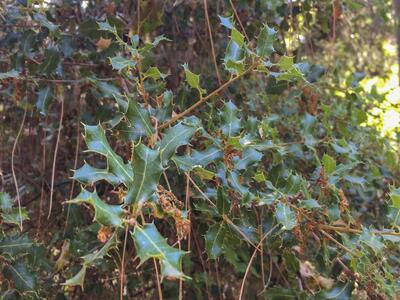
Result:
[[103, 44]]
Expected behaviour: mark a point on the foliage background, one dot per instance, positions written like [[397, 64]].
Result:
[[341, 116]]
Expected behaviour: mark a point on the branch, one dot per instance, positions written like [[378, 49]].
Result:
[[204, 99]]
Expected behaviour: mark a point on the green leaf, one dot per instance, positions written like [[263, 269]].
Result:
[[6, 202], [230, 121], [174, 137], [103, 251], [105, 26], [372, 240], [329, 164], [198, 158], [105, 214], [50, 61], [150, 244], [138, 119], [15, 245], [227, 22], [147, 172], [14, 216], [223, 203], [234, 58], [395, 197], [249, 157], [44, 22], [285, 216], [237, 37], [154, 73], [23, 280], [193, 79], [215, 237], [43, 99], [265, 41], [78, 279], [9, 74], [119, 63], [340, 291], [96, 141], [89, 175], [288, 69]]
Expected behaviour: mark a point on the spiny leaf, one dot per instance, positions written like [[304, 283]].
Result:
[[6, 202], [105, 26], [193, 79], [265, 41], [227, 21], [289, 71], [340, 291], [96, 141], [105, 214], [249, 157], [372, 240], [138, 121], [223, 204], [43, 21], [50, 61], [78, 279], [237, 37], [24, 281], [329, 164], [174, 137], [14, 216], [154, 73], [89, 175], [285, 216], [120, 63], [150, 244], [147, 172], [231, 123], [395, 197], [198, 158], [9, 74], [103, 251], [15, 245], [43, 99], [215, 237], [234, 58]]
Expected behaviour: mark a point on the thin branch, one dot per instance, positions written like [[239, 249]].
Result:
[[12, 161], [211, 42], [239, 21], [204, 99], [61, 98], [121, 289], [251, 261]]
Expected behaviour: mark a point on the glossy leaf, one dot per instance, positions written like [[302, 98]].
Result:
[[96, 141], [174, 137], [147, 171], [265, 41], [105, 214], [193, 79], [23, 279], [89, 175], [150, 244], [230, 121], [198, 158], [285, 216], [44, 97]]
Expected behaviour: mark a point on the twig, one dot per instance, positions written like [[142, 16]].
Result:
[[204, 99], [211, 42], [357, 231], [121, 289], [160, 295], [239, 21], [12, 161], [251, 260], [61, 97]]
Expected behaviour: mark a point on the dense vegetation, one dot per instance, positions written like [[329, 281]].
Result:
[[199, 150]]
